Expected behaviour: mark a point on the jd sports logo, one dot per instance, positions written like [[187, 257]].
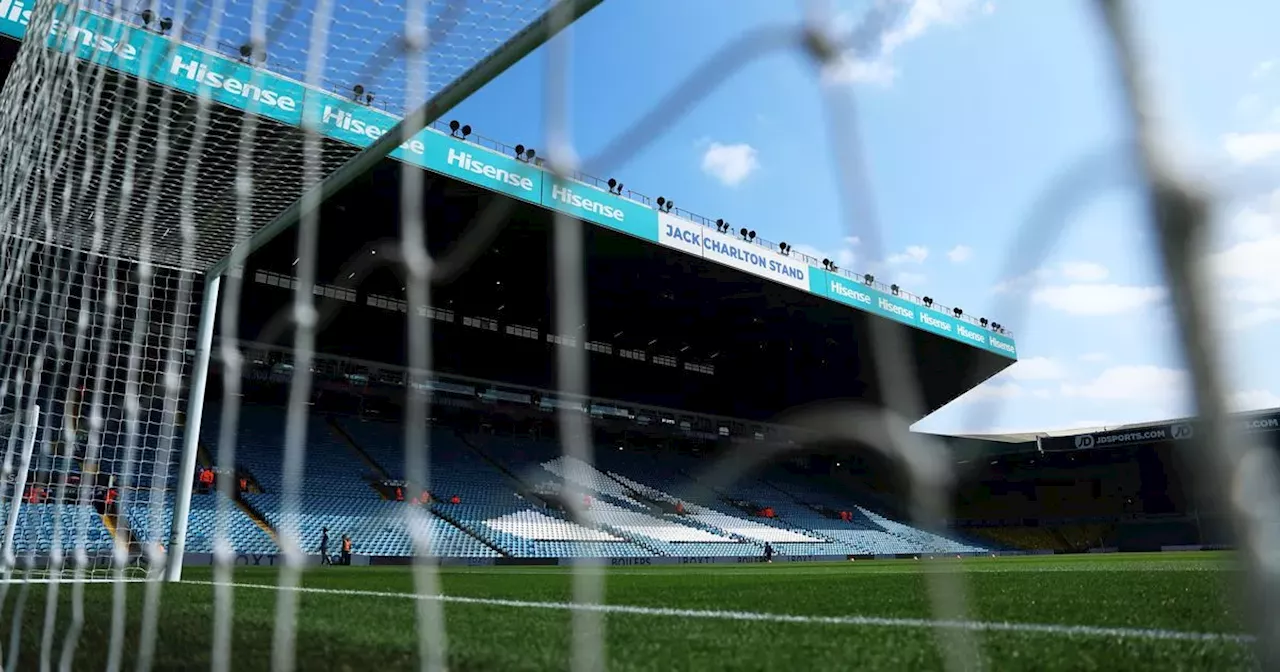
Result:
[[1085, 441], [1182, 431]]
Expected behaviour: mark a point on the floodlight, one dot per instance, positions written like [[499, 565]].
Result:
[[751, 235], [928, 301], [454, 126], [983, 321], [894, 289], [868, 278], [957, 312]]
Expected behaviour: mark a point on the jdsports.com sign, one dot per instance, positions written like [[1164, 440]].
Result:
[[1178, 431]]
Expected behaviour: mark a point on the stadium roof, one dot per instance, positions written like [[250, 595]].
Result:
[[274, 156], [967, 446], [157, 161]]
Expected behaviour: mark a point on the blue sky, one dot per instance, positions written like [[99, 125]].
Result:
[[969, 112]]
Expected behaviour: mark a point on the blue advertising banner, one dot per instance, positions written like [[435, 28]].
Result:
[[600, 207], [845, 290], [136, 51], [483, 168]]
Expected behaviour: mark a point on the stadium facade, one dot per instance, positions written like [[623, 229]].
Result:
[[698, 341]]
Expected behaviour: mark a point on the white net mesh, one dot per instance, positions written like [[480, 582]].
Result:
[[101, 346], [142, 147]]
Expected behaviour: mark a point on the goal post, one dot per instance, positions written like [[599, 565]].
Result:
[[29, 429], [191, 435], [129, 182]]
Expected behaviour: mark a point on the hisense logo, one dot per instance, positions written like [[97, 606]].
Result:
[[79, 36], [926, 318], [568, 197], [467, 162], [340, 118], [200, 73], [1001, 345], [15, 11], [840, 289], [970, 334], [901, 311]]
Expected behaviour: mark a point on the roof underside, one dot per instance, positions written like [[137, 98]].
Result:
[[94, 161]]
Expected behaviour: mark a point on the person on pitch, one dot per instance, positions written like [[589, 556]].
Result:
[[324, 547]]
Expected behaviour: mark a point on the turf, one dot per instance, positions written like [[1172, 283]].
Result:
[[1191, 593]]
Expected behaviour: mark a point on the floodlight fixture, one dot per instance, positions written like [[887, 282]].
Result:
[[983, 321], [928, 301], [869, 279], [957, 312], [751, 235], [894, 289]]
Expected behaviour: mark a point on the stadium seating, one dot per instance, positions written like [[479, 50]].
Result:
[[243, 533], [510, 493]]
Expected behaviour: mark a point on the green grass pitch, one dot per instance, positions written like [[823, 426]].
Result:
[[1102, 612]]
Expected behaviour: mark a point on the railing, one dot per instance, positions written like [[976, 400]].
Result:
[[232, 51]]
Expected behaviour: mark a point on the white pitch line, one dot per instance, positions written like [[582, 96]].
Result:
[[866, 621]]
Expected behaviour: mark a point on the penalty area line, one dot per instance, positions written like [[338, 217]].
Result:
[[766, 617]]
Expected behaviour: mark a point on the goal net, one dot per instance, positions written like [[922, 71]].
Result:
[[141, 146]]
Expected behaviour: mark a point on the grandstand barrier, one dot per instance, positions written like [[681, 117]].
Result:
[[263, 560], [269, 560]]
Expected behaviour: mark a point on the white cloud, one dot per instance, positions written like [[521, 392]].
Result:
[[1255, 400], [1093, 357], [1023, 282], [1084, 271], [1097, 300], [1254, 317], [1036, 368], [849, 70], [1246, 269], [1263, 69], [914, 254], [1251, 147], [730, 164], [1148, 384], [960, 253], [871, 61]]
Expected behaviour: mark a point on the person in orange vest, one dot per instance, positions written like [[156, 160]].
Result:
[[244, 484], [111, 496], [400, 494], [346, 550], [455, 500], [206, 480]]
